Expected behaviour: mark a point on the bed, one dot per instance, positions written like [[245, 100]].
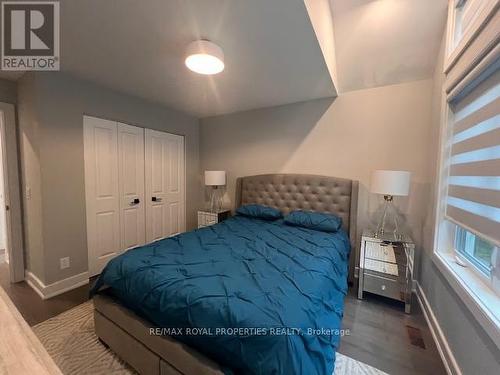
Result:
[[282, 284]]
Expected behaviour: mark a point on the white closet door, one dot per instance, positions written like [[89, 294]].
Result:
[[102, 192], [131, 186], [164, 185]]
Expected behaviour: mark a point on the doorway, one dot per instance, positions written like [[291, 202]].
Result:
[[4, 256], [11, 249]]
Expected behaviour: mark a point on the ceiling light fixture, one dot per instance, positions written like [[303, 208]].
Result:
[[204, 57]]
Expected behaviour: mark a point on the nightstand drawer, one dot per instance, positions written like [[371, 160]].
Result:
[[386, 267], [377, 251], [384, 252], [383, 267], [382, 286]]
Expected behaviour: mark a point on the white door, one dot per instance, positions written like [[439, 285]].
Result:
[[164, 170], [131, 186], [101, 191]]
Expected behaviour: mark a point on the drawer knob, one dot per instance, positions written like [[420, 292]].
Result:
[[382, 287]]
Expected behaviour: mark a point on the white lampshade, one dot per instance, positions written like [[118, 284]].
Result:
[[204, 57], [215, 178], [390, 182]]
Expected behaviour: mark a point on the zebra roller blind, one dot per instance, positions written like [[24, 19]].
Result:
[[473, 199]]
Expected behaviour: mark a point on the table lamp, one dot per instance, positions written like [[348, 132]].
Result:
[[214, 179], [389, 184]]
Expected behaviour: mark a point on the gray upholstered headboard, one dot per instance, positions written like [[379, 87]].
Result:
[[289, 192]]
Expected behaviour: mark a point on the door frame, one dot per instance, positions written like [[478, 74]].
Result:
[[12, 192]]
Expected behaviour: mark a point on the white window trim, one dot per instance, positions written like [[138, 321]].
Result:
[[453, 52], [481, 300], [472, 268], [473, 289]]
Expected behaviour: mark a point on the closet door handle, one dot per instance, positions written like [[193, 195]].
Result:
[[135, 201], [156, 199]]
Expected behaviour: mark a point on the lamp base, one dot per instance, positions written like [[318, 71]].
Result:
[[389, 223], [215, 199]]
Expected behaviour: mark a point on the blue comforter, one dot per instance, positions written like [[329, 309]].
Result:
[[285, 284]]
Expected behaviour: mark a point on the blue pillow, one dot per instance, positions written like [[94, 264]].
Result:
[[314, 220], [259, 211]]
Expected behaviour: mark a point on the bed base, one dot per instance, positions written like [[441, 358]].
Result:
[[129, 337]]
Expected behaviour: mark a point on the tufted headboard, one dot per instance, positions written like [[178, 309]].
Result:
[[288, 192]]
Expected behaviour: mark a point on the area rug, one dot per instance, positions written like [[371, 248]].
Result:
[[70, 340]]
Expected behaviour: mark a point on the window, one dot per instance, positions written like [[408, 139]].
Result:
[[474, 249], [467, 240], [473, 164], [465, 13], [472, 175]]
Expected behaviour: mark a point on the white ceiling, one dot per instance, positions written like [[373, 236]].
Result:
[[384, 42], [272, 55]]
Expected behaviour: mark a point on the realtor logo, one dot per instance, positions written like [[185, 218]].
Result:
[[30, 35]]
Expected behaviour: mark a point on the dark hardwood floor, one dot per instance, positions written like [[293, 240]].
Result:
[[378, 328], [34, 309], [379, 336]]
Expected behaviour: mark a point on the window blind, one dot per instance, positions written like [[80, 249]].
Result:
[[473, 199], [471, 10]]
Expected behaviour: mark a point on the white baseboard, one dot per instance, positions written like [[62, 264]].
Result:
[[59, 287], [450, 363]]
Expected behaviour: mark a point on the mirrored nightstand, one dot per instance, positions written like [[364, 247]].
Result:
[[206, 218], [386, 267]]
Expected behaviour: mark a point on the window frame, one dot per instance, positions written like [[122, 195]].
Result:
[[470, 259], [472, 291], [473, 287], [454, 49]]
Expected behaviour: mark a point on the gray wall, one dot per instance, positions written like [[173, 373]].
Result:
[[51, 107], [8, 91], [29, 149], [473, 349], [359, 131]]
